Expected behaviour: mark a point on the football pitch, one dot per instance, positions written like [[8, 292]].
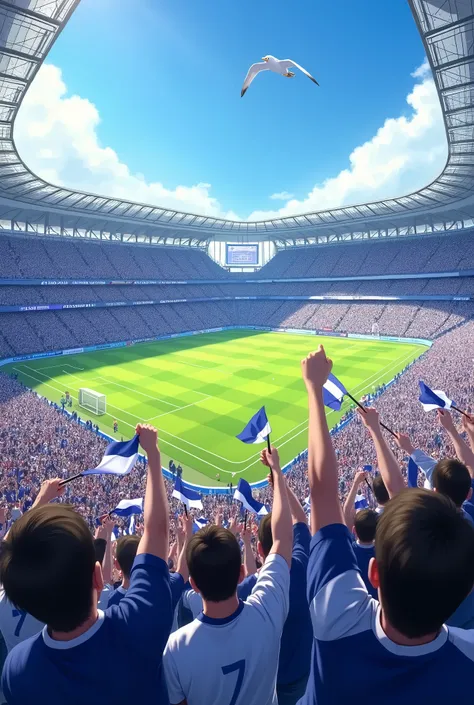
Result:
[[201, 390]]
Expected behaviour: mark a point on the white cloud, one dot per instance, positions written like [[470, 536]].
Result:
[[56, 135], [405, 154], [282, 196], [423, 70]]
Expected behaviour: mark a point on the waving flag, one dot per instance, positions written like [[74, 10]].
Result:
[[433, 398], [360, 502], [119, 459], [131, 526], [367, 468], [333, 393], [243, 494], [199, 523], [128, 507], [257, 429], [190, 498]]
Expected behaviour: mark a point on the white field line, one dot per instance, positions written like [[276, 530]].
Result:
[[206, 462], [276, 441], [57, 389], [174, 411], [135, 391]]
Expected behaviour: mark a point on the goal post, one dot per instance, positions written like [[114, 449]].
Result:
[[92, 401]]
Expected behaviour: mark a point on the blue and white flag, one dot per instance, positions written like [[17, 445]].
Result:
[[333, 393], [412, 473], [257, 429], [190, 498], [433, 398], [119, 459], [128, 507], [131, 526], [367, 468], [243, 494], [360, 502], [199, 523]]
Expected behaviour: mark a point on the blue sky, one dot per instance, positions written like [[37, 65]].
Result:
[[164, 80]]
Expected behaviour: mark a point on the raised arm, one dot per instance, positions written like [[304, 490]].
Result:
[[349, 509], [297, 512], [156, 509], [187, 529], [49, 490], [387, 462], [322, 462], [463, 451], [108, 564], [468, 424], [249, 557], [281, 516]]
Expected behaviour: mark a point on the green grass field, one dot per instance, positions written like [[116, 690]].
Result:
[[201, 390]]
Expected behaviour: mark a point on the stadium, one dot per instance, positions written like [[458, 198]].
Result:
[[114, 313]]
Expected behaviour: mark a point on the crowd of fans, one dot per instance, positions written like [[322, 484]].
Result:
[[32, 434], [32, 258], [31, 332], [29, 257], [396, 256], [269, 615]]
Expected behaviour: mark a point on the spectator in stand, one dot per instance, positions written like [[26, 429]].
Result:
[[54, 547], [296, 639], [363, 524], [236, 644], [423, 548]]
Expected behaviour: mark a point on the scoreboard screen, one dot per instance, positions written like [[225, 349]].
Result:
[[242, 255]]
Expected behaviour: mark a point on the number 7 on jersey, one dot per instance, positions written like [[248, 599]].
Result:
[[238, 666]]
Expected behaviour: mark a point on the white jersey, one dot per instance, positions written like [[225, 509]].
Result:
[[193, 602], [105, 596], [16, 625], [237, 655]]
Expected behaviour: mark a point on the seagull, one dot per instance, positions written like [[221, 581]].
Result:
[[271, 63]]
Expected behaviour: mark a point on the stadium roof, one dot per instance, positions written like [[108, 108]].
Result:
[[28, 28]]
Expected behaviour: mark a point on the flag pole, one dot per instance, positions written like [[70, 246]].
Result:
[[363, 409], [268, 444], [245, 520], [460, 411], [70, 479], [186, 511]]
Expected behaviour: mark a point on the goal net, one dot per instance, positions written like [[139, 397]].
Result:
[[92, 401]]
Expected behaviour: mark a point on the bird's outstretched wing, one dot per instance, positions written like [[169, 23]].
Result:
[[252, 72], [288, 62]]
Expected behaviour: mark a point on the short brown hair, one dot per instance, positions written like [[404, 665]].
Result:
[[214, 560], [265, 534], [47, 564], [365, 523], [425, 555], [126, 551], [452, 478]]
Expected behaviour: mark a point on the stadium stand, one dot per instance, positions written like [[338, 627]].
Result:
[[306, 599]]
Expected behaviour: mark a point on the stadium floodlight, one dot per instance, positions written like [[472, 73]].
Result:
[[92, 401]]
